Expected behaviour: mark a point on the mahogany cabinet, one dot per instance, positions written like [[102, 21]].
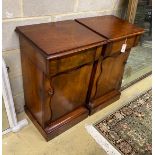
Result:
[[109, 69], [57, 67], [73, 68]]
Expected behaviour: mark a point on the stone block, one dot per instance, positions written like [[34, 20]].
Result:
[[47, 7], [11, 8], [9, 36], [95, 5]]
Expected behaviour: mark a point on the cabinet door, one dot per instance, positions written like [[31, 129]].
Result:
[[108, 75], [69, 91]]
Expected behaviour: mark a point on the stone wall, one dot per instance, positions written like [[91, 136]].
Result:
[[25, 12]]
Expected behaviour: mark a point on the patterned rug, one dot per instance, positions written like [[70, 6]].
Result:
[[128, 130]]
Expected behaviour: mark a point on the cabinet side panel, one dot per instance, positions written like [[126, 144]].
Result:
[[33, 53], [33, 85]]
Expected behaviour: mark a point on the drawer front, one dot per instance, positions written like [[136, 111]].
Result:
[[74, 61], [116, 46]]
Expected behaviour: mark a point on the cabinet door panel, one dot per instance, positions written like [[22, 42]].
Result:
[[70, 90], [108, 75]]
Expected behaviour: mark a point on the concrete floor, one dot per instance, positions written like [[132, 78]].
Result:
[[75, 141]]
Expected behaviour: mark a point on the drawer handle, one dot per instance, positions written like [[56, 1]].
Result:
[[51, 92]]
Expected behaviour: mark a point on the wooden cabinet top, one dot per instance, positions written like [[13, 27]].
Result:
[[60, 37], [111, 27]]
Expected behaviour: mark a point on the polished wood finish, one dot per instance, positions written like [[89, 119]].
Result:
[[114, 48], [102, 102], [59, 126], [73, 68], [108, 74], [59, 37], [111, 27], [57, 63], [66, 63], [109, 69]]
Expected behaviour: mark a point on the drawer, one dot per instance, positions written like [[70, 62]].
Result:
[[63, 64], [115, 46]]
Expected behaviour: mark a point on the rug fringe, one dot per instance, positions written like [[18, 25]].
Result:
[[101, 140]]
